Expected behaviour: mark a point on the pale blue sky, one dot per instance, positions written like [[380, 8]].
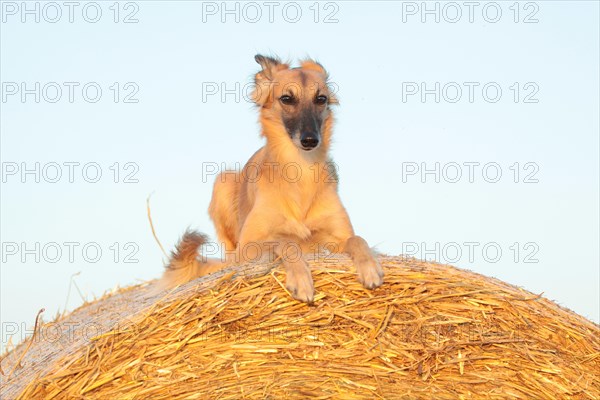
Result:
[[371, 55]]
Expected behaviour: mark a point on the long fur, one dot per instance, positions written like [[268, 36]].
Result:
[[185, 263], [295, 108]]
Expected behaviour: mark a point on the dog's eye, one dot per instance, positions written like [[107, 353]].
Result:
[[287, 100], [321, 99]]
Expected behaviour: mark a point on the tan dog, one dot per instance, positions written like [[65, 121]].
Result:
[[284, 202]]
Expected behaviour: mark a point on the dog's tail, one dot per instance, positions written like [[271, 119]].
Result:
[[185, 264]]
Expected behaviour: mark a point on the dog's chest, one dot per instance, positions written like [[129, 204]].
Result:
[[302, 193]]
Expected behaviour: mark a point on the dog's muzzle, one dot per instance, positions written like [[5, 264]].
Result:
[[309, 141]]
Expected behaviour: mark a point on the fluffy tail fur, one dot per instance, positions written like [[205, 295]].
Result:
[[184, 265]]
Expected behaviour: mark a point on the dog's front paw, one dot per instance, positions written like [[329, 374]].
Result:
[[370, 273], [299, 282]]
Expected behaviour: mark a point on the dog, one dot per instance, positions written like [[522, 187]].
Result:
[[284, 202]]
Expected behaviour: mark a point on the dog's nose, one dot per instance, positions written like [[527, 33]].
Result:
[[309, 141]]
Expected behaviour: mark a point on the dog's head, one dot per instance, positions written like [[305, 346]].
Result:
[[295, 103]]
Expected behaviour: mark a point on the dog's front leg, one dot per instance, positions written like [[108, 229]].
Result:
[[369, 271], [298, 279], [331, 226], [264, 232]]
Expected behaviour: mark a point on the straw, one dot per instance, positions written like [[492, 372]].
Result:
[[149, 214], [431, 331], [35, 329]]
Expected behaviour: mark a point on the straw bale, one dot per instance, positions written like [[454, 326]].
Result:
[[431, 331]]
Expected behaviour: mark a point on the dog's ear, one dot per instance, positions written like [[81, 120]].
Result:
[[313, 65], [264, 78], [269, 66]]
